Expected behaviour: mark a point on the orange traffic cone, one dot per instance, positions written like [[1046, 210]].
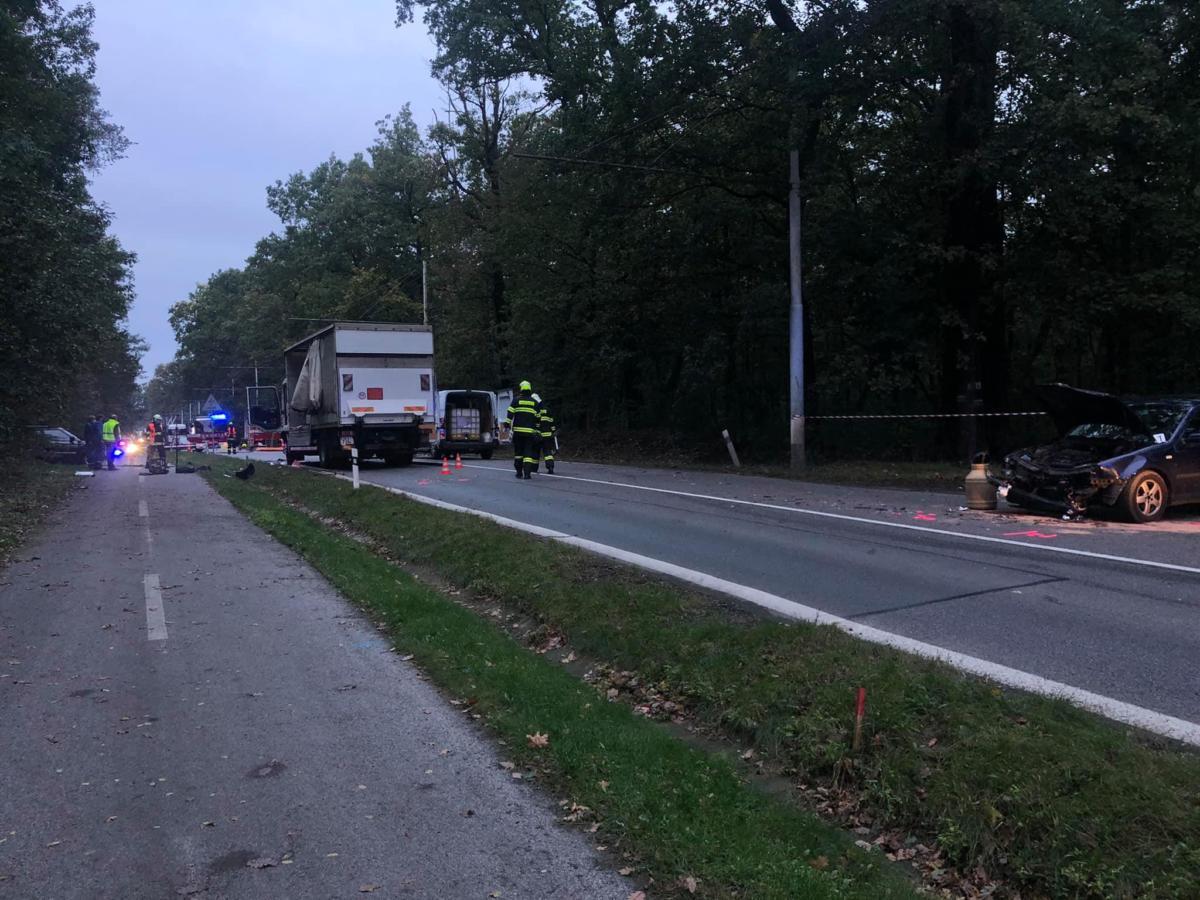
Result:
[[458, 460], [445, 465]]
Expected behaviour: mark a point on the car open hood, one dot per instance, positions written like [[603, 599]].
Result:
[[1070, 407]]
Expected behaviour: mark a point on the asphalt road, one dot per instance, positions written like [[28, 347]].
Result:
[[187, 709], [1122, 629]]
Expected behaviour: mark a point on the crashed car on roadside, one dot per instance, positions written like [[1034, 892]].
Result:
[[1138, 456]]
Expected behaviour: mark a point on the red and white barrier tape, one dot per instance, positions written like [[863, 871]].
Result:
[[981, 415]]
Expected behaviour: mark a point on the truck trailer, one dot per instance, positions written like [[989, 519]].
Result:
[[368, 385]]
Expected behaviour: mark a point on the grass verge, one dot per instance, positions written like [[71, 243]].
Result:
[[1052, 800], [29, 490], [678, 811]]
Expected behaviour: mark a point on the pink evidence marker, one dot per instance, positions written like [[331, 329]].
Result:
[[1030, 534], [925, 517]]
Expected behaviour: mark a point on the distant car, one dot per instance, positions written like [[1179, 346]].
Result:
[[1139, 456], [56, 444]]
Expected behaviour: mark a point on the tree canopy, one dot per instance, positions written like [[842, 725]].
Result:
[[64, 280], [994, 194]]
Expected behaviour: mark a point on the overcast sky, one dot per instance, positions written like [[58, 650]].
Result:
[[223, 97]]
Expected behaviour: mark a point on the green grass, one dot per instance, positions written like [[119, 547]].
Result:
[[29, 490], [676, 810], [1055, 801]]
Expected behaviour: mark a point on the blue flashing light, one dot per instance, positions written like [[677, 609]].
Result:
[[117, 451], [219, 417]]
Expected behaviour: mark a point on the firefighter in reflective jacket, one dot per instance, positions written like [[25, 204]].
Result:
[[546, 430], [524, 418]]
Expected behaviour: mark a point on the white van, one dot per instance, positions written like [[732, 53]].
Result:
[[466, 423]]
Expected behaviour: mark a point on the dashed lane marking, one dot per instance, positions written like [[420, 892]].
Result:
[[156, 617]]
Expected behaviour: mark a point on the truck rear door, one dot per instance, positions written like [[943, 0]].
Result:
[[386, 394]]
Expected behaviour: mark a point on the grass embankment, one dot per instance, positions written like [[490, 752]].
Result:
[[29, 491], [1053, 801]]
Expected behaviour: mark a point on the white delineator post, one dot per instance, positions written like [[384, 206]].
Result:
[[354, 465], [737, 463]]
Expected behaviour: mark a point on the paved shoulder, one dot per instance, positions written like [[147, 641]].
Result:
[[189, 709]]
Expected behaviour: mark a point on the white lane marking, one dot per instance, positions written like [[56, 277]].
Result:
[[1117, 710], [1128, 560], [143, 509], [156, 618]]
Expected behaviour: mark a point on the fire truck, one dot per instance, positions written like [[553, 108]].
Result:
[[208, 432]]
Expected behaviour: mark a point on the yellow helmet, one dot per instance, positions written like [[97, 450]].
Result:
[[525, 386]]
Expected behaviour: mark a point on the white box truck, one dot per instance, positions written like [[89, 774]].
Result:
[[368, 385]]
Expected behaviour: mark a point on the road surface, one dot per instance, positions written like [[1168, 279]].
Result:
[[997, 586], [187, 709]]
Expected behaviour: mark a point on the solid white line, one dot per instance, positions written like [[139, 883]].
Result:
[[156, 618], [1127, 560], [143, 509], [1117, 710]]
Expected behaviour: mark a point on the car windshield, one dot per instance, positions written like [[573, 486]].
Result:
[[1106, 432], [1161, 416]]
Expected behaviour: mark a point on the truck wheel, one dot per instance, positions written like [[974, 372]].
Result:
[[293, 457], [330, 458], [1145, 498], [485, 454]]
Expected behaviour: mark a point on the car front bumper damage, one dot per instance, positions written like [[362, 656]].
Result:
[[1059, 492]]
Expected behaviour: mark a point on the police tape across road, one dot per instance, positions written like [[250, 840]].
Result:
[[1111, 708]]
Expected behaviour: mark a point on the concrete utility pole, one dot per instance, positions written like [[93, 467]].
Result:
[[796, 329], [424, 292]]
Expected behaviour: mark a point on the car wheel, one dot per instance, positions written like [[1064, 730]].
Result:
[[1145, 498], [486, 454]]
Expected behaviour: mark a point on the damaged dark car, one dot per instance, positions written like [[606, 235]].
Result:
[[1137, 456]]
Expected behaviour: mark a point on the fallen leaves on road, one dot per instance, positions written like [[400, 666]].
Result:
[[262, 862], [537, 739], [627, 871], [689, 884], [638, 895], [367, 888], [208, 824]]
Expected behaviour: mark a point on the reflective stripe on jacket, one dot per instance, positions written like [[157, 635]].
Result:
[[546, 424], [524, 415]]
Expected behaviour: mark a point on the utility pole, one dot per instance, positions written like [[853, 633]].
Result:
[[424, 292], [796, 321]]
